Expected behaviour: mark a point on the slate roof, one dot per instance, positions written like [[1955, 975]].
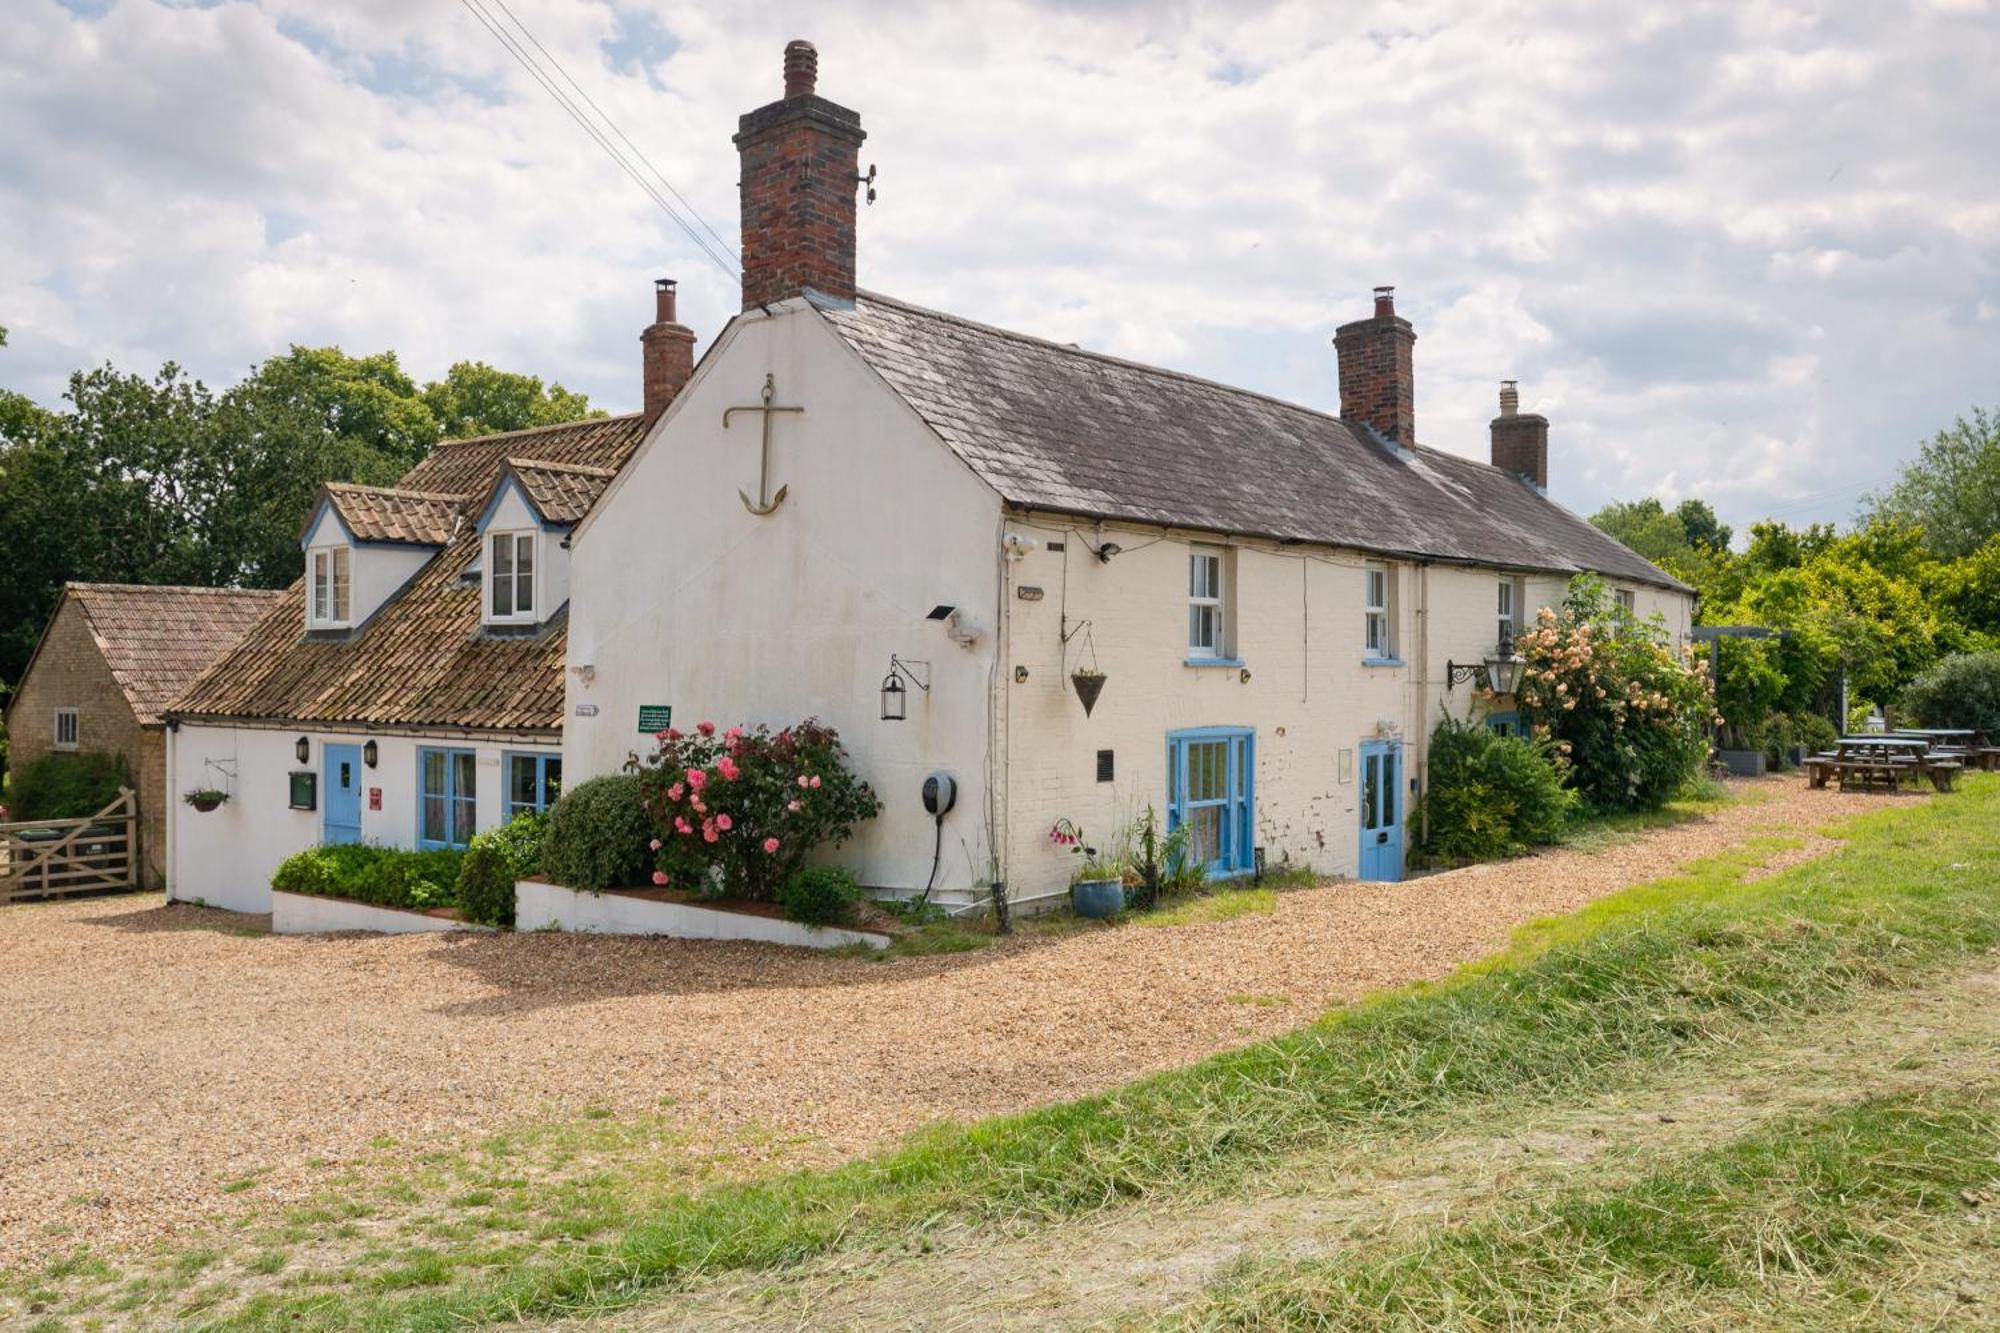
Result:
[[156, 639], [389, 514], [1052, 427], [560, 492], [423, 658]]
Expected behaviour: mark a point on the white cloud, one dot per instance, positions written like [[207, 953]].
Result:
[[1748, 252]]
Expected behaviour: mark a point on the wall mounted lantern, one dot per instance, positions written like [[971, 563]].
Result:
[[369, 754], [895, 697], [303, 749], [1502, 669]]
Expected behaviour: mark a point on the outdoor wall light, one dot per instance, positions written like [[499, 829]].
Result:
[[1106, 551], [1502, 669], [895, 697], [303, 749], [369, 754]]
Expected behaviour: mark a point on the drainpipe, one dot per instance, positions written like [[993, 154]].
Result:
[[169, 801], [1422, 744]]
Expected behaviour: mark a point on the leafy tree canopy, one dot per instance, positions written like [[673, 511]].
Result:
[[1951, 490], [475, 399]]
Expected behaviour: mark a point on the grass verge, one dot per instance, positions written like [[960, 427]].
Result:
[[1670, 965], [1794, 1225]]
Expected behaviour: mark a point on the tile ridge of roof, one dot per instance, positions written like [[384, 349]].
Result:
[[84, 585], [540, 465], [1069, 349], [537, 430], [400, 492]]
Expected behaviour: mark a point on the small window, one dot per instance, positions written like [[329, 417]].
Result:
[[1627, 600], [1205, 608], [1507, 625], [447, 789], [68, 727], [534, 781], [1381, 642], [330, 571], [512, 575]]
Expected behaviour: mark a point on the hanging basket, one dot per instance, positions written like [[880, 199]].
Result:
[[206, 800], [1088, 685]]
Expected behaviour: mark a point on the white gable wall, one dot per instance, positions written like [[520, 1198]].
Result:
[[514, 514], [681, 597], [376, 570]]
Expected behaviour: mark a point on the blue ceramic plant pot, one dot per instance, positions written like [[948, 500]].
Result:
[[1099, 899]]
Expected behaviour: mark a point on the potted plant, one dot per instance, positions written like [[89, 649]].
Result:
[[1098, 891], [206, 799], [1088, 682]]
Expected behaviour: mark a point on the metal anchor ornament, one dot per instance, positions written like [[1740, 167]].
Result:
[[765, 502]]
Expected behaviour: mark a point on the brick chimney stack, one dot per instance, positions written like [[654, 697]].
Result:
[[1521, 439], [667, 350], [800, 161], [1377, 373]]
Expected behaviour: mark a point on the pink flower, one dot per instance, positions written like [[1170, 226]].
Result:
[[678, 790], [727, 767], [725, 823], [815, 782], [734, 733], [771, 846], [803, 782], [708, 833], [697, 778], [705, 728], [792, 806], [680, 822], [659, 877], [654, 844], [672, 733], [699, 808]]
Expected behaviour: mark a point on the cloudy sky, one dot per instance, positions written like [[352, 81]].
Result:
[[1747, 251]]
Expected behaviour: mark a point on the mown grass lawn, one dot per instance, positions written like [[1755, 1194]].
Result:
[[1640, 978]]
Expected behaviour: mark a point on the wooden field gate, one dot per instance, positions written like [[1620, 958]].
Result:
[[52, 857]]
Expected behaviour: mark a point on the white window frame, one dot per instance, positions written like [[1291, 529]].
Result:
[[329, 587], [1215, 601], [517, 540], [74, 717], [1378, 634], [1628, 599], [1507, 610]]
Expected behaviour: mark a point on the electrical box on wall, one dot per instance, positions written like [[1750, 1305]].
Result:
[[305, 791], [1104, 765]]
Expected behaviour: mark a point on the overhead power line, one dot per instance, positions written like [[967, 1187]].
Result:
[[718, 254]]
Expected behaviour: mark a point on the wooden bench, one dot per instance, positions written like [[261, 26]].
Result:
[[1987, 757], [1943, 773]]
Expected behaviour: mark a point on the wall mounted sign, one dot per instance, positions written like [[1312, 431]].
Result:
[[655, 717], [374, 798], [586, 710], [765, 502]]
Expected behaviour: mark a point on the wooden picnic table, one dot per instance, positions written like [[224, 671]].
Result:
[[1886, 761]]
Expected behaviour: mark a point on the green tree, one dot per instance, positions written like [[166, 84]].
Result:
[[475, 399], [1687, 541], [1951, 489]]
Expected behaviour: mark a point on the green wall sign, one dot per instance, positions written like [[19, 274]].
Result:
[[655, 717]]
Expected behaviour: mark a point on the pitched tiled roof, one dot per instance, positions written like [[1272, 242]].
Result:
[[422, 660], [560, 492], [388, 514], [1052, 427], [157, 639]]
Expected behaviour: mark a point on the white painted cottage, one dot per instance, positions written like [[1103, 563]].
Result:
[[1272, 593]]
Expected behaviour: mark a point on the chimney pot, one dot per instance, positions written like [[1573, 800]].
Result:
[[666, 352], [1385, 302], [663, 301], [801, 68], [1510, 398]]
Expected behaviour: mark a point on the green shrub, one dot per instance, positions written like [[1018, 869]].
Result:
[[820, 896], [1961, 691], [493, 862], [67, 786], [597, 835], [1491, 795], [383, 876]]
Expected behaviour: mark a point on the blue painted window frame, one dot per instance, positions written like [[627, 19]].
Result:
[[1237, 834], [1506, 724], [541, 760], [457, 804]]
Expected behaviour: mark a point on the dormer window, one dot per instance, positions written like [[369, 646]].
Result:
[[330, 605], [510, 577]]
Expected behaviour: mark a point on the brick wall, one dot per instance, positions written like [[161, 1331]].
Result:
[[69, 672], [1378, 372]]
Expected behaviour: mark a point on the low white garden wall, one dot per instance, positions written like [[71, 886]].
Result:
[[540, 906], [309, 914]]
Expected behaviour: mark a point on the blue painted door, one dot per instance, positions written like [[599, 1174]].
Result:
[[1382, 810], [1212, 789], [343, 792]]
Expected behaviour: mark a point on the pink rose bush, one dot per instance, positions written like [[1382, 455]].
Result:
[[1627, 711], [738, 811]]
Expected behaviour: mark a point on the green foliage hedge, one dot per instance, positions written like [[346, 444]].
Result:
[[67, 786], [383, 876], [597, 835], [493, 862], [1961, 691], [1491, 795], [820, 896]]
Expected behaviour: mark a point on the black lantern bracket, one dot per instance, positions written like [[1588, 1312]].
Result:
[[1501, 671], [894, 690]]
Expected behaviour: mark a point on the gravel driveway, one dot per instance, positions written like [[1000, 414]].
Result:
[[149, 1054]]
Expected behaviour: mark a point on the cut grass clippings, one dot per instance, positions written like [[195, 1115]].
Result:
[[1798, 1223], [1637, 977]]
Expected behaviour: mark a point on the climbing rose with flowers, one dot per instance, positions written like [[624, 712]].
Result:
[[736, 812]]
